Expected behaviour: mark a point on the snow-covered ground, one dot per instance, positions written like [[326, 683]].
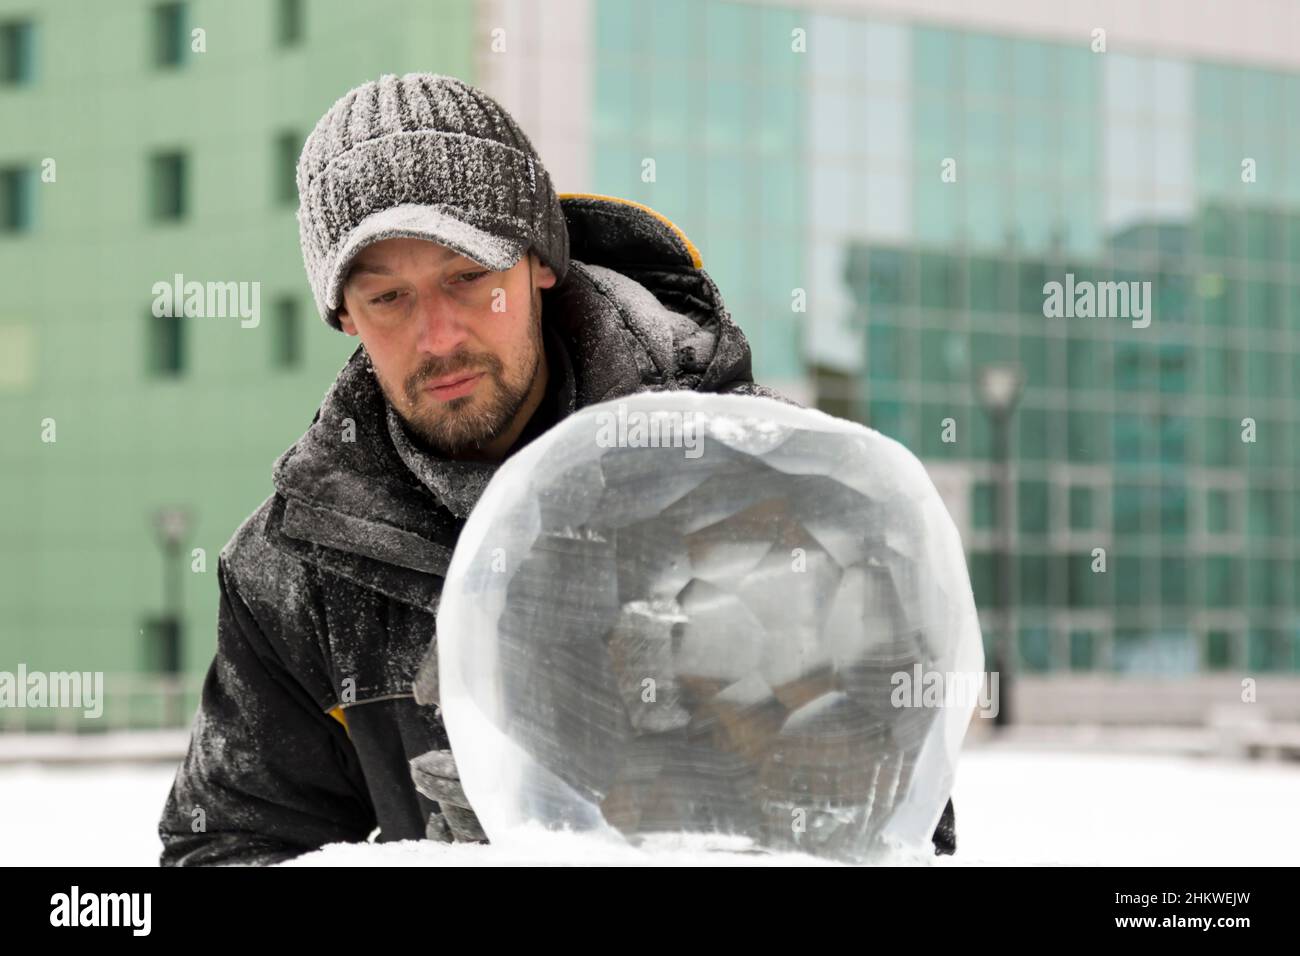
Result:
[[1014, 805]]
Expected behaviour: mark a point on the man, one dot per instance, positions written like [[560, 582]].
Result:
[[488, 309]]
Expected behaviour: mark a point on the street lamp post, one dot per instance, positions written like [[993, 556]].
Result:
[[999, 385], [171, 525]]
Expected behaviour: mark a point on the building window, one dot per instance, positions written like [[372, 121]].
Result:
[[287, 332], [1174, 571], [16, 53], [17, 355], [1218, 651], [984, 578], [1264, 512], [166, 345], [1036, 649], [1033, 506], [1083, 651], [284, 172], [836, 390], [1173, 510], [163, 641], [1130, 573], [1267, 650], [167, 187], [1081, 508], [1222, 581], [169, 34], [16, 189], [1034, 580], [887, 417], [1084, 587], [1218, 512], [984, 505], [288, 22]]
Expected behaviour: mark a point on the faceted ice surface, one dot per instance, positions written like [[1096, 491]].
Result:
[[703, 630]]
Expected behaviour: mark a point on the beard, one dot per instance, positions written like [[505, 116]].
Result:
[[467, 423]]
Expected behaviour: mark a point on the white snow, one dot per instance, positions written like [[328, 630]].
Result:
[[1014, 806], [82, 815], [543, 848], [1026, 807]]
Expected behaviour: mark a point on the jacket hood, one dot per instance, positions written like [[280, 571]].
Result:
[[635, 312]]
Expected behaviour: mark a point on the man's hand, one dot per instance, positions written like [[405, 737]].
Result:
[[434, 773], [435, 776]]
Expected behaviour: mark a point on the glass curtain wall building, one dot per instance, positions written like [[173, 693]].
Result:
[[922, 185]]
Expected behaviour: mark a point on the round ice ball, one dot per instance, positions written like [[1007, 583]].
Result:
[[683, 612]]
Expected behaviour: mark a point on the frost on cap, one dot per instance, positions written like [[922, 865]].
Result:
[[422, 140]]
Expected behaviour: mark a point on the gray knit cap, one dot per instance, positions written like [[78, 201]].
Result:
[[424, 156]]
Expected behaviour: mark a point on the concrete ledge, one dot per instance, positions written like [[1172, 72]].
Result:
[[1194, 701], [146, 746]]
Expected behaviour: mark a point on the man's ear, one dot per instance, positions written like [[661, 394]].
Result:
[[345, 322], [543, 275]]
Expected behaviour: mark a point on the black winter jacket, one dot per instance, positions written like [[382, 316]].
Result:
[[329, 590]]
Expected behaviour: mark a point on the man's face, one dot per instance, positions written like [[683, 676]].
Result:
[[457, 348]]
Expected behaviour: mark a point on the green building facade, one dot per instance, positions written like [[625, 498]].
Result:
[[166, 161]]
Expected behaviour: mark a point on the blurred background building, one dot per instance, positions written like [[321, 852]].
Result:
[[881, 190]]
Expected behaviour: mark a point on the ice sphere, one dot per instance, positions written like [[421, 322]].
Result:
[[709, 636]]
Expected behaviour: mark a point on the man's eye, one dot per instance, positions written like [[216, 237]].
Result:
[[386, 298], [472, 276]]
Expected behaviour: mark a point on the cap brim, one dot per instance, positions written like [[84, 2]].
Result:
[[433, 223]]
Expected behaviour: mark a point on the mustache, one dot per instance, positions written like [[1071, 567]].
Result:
[[435, 367]]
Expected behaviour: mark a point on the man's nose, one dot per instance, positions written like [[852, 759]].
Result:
[[442, 330]]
